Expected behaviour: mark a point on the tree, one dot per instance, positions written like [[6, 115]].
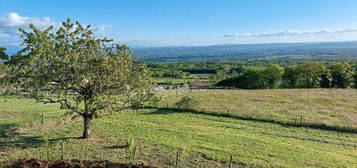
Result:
[[355, 79], [220, 75], [85, 75], [342, 74], [255, 77], [325, 81], [3, 55], [252, 78], [272, 75], [310, 74], [290, 76]]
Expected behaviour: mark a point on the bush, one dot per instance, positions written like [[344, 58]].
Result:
[[255, 78]]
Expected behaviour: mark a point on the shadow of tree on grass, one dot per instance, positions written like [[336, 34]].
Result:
[[11, 138]]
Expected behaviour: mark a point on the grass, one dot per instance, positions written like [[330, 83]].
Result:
[[203, 140], [332, 107]]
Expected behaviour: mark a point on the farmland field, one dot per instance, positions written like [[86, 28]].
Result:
[[32, 130]]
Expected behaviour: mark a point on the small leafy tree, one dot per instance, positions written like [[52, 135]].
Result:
[[355, 79], [325, 81], [3, 55], [272, 75], [252, 78], [310, 74], [290, 76], [342, 74], [85, 75]]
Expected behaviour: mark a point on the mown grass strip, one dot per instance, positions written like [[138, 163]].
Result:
[[322, 126]]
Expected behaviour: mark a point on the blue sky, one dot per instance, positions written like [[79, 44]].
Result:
[[190, 22]]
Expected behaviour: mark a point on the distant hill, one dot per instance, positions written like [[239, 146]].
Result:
[[281, 51], [244, 52]]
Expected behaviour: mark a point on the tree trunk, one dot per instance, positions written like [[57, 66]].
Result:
[[86, 127]]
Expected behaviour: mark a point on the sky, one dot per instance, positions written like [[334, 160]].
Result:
[[143, 23]]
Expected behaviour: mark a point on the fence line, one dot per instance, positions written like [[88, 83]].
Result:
[[50, 150]]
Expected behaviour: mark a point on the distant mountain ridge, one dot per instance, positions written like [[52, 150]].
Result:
[[244, 52]]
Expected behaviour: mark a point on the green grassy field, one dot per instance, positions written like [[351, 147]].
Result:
[[203, 140], [335, 107]]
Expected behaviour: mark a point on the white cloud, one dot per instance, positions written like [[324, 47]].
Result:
[[292, 33], [102, 28], [15, 20], [11, 22], [4, 35]]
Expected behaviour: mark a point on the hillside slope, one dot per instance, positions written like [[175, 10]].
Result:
[[29, 129]]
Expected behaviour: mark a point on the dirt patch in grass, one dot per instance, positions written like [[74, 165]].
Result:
[[34, 163]]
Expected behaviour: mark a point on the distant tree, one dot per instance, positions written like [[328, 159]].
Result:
[[252, 78], [355, 79], [272, 75], [3, 55], [290, 76], [342, 75], [84, 74], [232, 81], [220, 75], [310, 74], [325, 81]]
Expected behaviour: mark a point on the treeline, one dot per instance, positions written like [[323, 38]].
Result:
[[304, 75], [219, 68], [185, 69]]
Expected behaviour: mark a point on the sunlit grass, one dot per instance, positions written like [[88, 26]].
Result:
[[327, 106], [203, 141]]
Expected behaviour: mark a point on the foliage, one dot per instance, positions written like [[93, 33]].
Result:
[[3, 55], [220, 75], [290, 76], [309, 74], [252, 78], [355, 80], [3, 68], [130, 143], [255, 77], [272, 74], [341, 74], [71, 67]]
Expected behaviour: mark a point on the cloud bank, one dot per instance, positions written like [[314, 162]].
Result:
[[11, 22], [292, 33]]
